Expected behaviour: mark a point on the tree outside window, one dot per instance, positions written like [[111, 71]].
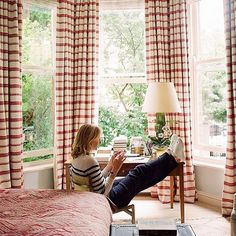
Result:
[[37, 74], [122, 74]]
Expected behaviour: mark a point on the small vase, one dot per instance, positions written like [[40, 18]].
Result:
[[157, 151], [160, 148]]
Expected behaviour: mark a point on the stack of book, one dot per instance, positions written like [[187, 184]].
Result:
[[103, 154], [119, 143]]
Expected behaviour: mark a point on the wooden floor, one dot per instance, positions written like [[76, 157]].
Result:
[[205, 220]]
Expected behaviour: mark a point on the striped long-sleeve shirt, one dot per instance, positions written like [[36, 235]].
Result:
[[87, 166]]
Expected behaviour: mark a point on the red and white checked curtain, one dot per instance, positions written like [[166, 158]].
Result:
[[11, 170], [76, 74], [167, 60], [230, 167]]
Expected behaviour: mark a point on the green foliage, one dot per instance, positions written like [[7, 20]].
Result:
[[37, 115], [214, 96], [37, 35], [160, 122], [41, 16], [109, 122], [115, 123], [37, 90], [122, 47], [28, 159], [163, 133], [131, 122], [27, 82], [160, 143], [122, 42]]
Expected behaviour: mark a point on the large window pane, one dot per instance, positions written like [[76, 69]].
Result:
[[211, 23], [209, 79], [122, 74], [37, 112], [212, 106], [120, 111], [37, 34], [37, 79], [122, 42]]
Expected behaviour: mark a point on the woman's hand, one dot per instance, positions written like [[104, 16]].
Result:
[[117, 163], [110, 163]]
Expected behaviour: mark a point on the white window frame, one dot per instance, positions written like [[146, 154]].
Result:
[[39, 70], [135, 78], [193, 16]]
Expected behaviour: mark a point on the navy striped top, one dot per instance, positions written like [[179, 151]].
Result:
[[87, 166]]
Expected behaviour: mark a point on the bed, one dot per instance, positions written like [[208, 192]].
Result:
[[53, 212]]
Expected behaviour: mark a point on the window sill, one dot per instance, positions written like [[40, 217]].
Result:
[[209, 162], [38, 165]]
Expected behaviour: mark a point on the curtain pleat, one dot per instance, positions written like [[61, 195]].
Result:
[[11, 170], [230, 167], [167, 60], [76, 75]]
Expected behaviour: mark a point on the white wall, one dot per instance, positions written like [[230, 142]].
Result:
[[39, 179], [209, 180]]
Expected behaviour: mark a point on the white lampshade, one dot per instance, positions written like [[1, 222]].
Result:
[[161, 97]]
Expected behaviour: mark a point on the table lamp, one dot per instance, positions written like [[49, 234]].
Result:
[[161, 98]]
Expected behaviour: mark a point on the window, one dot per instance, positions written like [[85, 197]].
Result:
[[37, 80], [209, 78], [122, 70]]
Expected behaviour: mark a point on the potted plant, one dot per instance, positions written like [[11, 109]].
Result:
[[163, 133]]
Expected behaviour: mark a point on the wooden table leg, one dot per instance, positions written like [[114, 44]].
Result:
[[171, 191], [181, 193]]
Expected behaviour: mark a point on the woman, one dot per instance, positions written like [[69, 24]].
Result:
[[120, 191]]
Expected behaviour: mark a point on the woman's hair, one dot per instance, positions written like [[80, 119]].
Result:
[[83, 138]]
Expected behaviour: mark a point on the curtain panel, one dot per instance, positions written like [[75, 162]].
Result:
[[168, 60], [230, 167], [76, 75], [11, 170]]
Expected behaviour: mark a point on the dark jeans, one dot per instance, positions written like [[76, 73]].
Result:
[[141, 177]]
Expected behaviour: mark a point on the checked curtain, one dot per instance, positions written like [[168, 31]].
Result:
[[76, 75], [10, 94], [167, 60], [230, 166]]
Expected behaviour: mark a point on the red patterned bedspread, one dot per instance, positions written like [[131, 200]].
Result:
[[53, 212]]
